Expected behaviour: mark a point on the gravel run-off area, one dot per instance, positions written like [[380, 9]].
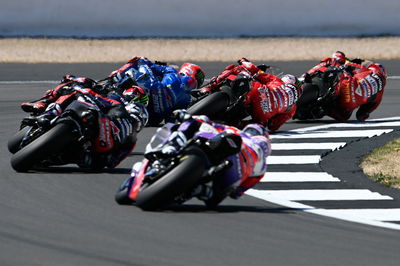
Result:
[[34, 50]]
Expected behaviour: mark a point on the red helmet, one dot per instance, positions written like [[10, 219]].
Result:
[[136, 94], [339, 57], [194, 71]]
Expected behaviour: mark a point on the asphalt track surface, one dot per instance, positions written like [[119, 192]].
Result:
[[68, 217]]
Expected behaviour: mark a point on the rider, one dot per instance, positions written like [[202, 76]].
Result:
[[123, 116], [123, 119], [360, 85], [271, 101], [168, 88], [64, 88], [246, 149], [337, 59]]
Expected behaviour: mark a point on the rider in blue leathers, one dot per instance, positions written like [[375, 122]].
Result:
[[168, 89]]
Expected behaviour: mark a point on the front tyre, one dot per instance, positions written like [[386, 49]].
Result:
[[53, 141], [122, 195], [180, 179], [14, 143]]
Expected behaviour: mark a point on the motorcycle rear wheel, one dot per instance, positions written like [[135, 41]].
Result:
[[212, 105], [53, 141], [180, 179]]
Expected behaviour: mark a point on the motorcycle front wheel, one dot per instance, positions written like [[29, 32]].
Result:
[[14, 143], [53, 141], [180, 179]]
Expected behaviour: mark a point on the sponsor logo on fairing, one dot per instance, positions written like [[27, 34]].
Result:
[[105, 140], [155, 96], [265, 100], [291, 90], [378, 78], [374, 84], [281, 97]]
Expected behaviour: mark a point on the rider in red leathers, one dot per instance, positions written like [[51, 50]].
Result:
[[337, 59], [360, 85], [271, 100]]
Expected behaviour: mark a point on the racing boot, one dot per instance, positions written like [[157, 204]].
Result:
[[40, 105], [34, 107]]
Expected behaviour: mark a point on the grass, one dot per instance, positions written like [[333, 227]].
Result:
[[383, 164]]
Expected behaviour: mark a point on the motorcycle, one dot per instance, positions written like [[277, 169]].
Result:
[[226, 103], [160, 180], [41, 143], [318, 91]]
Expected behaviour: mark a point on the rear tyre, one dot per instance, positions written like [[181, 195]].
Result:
[[53, 141], [212, 105], [15, 141], [177, 181]]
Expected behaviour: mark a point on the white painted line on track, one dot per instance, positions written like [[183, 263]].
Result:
[[331, 134], [313, 128], [29, 81], [370, 214], [270, 177], [321, 194], [307, 146], [293, 159], [306, 208]]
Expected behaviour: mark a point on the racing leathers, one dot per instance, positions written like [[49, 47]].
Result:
[[64, 88], [358, 87], [270, 101], [118, 126], [359, 84], [162, 82], [247, 151]]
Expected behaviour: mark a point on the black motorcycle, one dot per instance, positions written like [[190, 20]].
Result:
[[317, 95], [41, 142]]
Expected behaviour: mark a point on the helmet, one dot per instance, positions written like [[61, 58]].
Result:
[[193, 71], [339, 57], [136, 94], [288, 78], [256, 130]]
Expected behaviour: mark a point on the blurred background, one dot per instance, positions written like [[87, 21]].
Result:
[[192, 18]]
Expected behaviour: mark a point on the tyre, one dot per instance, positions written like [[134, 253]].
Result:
[[15, 141], [212, 105], [309, 95], [122, 195], [177, 181], [51, 142]]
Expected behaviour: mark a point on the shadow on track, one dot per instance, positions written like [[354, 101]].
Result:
[[199, 208], [74, 170]]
